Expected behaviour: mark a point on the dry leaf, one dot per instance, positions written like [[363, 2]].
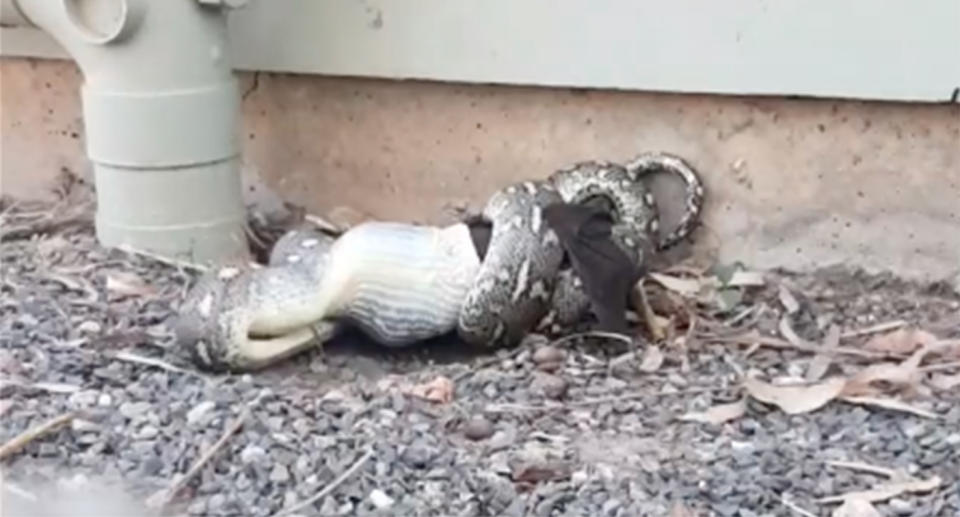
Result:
[[899, 376], [747, 279], [718, 414], [944, 382], [685, 286], [536, 472], [901, 341], [891, 404], [123, 283], [821, 362], [888, 490], [438, 390], [853, 507], [787, 332], [794, 399], [652, 360], [789, 302]]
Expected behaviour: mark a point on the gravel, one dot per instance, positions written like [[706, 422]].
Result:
[[543, 430]]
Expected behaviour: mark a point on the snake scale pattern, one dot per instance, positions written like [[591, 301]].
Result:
[[403, 283]]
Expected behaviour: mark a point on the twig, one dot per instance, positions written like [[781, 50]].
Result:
[[162, 497], [501, 408], [593, 333], [645, 312], [21, 440], [331, 487], [793, 507], [149, 361], [940, 367], [874, 329], [751, 338], [864, 467]]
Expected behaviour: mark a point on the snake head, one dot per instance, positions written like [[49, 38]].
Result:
[[226, 323]]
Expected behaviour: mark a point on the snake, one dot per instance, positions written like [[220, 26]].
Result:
[[402, 283]]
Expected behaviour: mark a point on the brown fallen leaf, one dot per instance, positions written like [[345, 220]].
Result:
[[718, 414], [891, 404], [536, 472], [123, 283], [652, 360], [898, 377], [821, 362], [797, 398], [901, 341], [888, 490], [853, 507], [438, 390]]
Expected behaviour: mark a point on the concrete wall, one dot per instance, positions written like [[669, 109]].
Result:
[[795, 183], [854, 48]]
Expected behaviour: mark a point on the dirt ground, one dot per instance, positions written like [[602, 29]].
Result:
[[746, 393]]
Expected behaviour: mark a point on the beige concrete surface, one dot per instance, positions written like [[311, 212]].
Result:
[[792, 183]]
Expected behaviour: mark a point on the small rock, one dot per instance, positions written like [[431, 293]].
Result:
[[418, 455], [552, 386], [548, 358], [279, 474], [84, 398], [216, 503], [380, 499], [147, 432], [252, 454], [104, 400], [133, 410], [478, 428], [197, 413], [89, 327]]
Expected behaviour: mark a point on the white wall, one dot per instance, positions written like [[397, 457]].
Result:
[[871, 49]]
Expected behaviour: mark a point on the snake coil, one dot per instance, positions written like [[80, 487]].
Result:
[[402, 283]]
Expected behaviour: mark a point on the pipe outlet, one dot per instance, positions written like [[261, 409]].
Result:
[[161, 114]]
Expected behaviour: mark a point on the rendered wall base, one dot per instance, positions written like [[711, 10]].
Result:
[[793, 183]]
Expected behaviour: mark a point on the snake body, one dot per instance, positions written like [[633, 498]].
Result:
[[402, 283]]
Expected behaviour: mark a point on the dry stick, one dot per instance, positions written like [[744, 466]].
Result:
[[940, 367], [163, 497], [499, 408], [874, 329], [793, 506], [331, 487], [149, 361], [753, 338], [21, 440], [593, 333]]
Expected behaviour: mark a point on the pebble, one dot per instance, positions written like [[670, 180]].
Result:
[[279, 474], [147, 432], [418, 455], [478, 428], [380, 499], [548, 358], [134, 410], [252, 454], [552, 386], [197, 414]]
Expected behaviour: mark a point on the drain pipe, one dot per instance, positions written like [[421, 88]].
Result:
[[161, 114]]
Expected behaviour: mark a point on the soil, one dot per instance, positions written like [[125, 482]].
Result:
[[588, 426]]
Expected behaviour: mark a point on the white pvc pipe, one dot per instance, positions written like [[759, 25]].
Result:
[[161, 113]]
